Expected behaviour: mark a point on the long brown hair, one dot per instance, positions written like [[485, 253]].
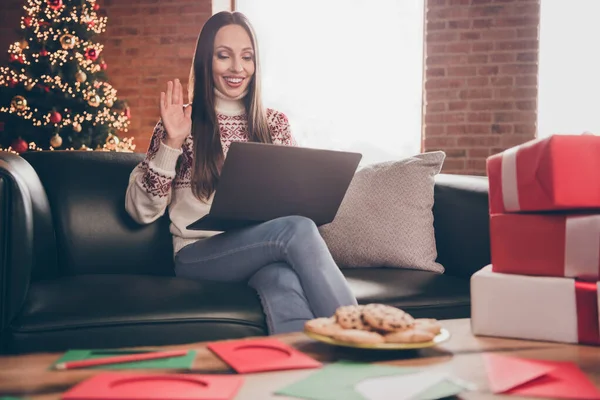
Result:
[[208, 152]]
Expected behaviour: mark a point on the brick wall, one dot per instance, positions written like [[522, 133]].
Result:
[[481, 73], [147, 43]]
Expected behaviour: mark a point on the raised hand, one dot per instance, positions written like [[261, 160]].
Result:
[[176, 120]]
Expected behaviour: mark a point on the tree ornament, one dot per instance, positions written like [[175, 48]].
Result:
[[94, 100], [18, 103], [109, 103], [29, 85], [67, 41], [91, 54], [80, 76], [27, 21], [19, 145], [56, 141], [44, 53], [55, 4], [55, 117], [112, 142], [76, 126], [103, 66], [96, 7], [13, 58], [12, 82], [128, 112], [23, 44]]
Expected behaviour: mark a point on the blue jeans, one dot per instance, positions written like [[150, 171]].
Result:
[[285, 260]]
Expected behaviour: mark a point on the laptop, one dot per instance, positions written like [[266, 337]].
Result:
[[260, 182]]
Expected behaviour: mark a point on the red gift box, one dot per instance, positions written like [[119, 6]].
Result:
[[561, 172], [535, 307], [546, 245]]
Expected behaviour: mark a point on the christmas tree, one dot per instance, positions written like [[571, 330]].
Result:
[[54, 93]]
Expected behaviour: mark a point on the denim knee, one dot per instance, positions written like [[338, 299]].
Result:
[[300, 226]]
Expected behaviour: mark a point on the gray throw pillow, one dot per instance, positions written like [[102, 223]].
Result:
[[386, 217]]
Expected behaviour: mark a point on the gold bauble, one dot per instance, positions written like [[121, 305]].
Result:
[[109, 103], [18, 103], [80, 76], [56, 141], [23, 44], [29, 85], [94, 100], [67, 41], [76, 126], [83, 147]]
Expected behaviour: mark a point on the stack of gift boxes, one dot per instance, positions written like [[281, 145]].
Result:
[[545, 243]]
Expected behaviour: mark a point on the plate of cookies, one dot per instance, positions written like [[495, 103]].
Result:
[[376, 326]]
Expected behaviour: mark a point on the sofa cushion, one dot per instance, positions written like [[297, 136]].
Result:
[[386, 217], [132, 310], [423, 294]]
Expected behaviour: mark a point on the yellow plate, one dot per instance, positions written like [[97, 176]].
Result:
[[443, 336]]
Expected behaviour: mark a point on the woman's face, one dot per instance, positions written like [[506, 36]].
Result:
[[233, 60]]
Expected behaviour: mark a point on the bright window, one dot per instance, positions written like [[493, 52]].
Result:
[[569, 78], [348, 74]]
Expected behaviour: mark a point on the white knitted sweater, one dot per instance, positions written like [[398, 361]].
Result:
[[163, 179]]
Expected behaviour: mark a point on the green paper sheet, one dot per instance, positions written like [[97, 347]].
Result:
[[182, 362], [337, 381]]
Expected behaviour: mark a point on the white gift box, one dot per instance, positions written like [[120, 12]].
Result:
[[535, 307]]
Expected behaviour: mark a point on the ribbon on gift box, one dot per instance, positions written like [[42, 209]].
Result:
[[509, 177], [582, 247], [588, 319]]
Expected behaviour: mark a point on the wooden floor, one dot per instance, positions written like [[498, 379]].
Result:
[[29, 376]]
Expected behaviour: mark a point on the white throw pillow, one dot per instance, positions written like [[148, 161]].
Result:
[[386, 217]]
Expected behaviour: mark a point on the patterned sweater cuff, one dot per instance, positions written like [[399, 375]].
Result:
[[165, 158]]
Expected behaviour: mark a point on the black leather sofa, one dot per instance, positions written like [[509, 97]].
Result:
[[78, 272]]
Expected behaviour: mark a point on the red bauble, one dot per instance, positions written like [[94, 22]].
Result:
[[55, 117], [12, 82], [13, 58], [19, 145], [91, 54], [96, 7], [55, 4], [103, 66], [27, 21], [128, 112], [43, 53], [42, 87]]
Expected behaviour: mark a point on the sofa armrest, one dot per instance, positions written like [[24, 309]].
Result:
[[461, 222], [27, 232]]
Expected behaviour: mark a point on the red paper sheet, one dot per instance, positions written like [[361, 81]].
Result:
[[259, 355], [538, 378], [139, 386]]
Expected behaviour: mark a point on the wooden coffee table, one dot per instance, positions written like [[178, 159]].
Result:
[[28, 375]]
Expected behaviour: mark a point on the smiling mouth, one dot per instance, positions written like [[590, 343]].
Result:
[[233, 80]]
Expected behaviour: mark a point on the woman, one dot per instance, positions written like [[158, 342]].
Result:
[[285, 260]]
